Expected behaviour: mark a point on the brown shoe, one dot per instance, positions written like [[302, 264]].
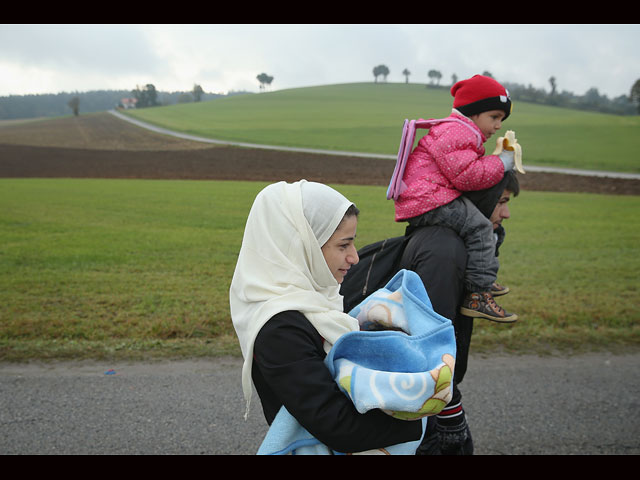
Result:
[[484, 306], [497, 289]]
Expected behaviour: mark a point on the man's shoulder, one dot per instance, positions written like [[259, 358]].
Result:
[[436, 233], [437, 240]]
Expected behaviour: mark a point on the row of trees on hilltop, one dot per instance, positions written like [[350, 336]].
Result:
[[591, 100], [50, 105], [148, 96], [64, 103], [58, 104], [145, 97]]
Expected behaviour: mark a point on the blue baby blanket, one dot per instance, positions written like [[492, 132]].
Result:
[[401, 361]]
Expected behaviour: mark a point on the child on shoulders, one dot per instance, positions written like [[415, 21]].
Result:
[[451, 160]]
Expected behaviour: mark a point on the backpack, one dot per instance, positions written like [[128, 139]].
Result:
[[397, 186], [378, 263]]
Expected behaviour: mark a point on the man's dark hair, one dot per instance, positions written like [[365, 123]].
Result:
[[512, 184], [486, 200]]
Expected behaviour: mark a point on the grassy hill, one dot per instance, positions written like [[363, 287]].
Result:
[[367, 117], [138, 268]]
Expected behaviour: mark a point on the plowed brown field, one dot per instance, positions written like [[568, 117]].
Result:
[[102, 146]]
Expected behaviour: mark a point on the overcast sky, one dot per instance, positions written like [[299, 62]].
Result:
[[68, 58]]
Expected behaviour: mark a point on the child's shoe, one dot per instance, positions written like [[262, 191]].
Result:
[[497, 289], [483, 305]]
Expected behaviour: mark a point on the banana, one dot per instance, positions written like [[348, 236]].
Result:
[[509, 142]]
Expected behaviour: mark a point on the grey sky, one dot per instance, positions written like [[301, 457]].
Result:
[[55, 58]]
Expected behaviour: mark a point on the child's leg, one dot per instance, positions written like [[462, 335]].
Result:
[[479, 240], [476, 231], [452, 215], [482, 267]]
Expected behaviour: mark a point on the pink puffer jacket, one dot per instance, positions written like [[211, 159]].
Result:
[[446, 162]]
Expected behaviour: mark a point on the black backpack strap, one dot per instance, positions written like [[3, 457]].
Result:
[[378, 263]]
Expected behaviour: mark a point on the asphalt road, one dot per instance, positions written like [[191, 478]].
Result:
[[524, 405]]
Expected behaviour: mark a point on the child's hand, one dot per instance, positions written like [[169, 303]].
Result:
[[508, 143], [507, 157]]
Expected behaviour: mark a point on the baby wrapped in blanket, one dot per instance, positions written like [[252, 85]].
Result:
[[401, 361]]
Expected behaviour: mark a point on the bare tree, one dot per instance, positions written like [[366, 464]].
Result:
[[406, 74], [197, 93], [552, 82], [74, 105]]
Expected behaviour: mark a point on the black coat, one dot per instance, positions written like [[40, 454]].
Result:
[[288, 369]]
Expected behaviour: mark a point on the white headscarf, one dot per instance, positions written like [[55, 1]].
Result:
[[281, 266]]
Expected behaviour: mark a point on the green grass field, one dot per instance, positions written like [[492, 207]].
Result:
[[367, 117], [138, 268]]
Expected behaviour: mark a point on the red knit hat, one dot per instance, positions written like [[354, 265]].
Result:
[[480, 94]]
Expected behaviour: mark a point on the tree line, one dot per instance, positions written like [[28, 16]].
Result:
[[65, 103], [53, 105], [592, 100]]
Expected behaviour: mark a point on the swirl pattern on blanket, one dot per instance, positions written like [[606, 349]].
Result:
[[403, 358]]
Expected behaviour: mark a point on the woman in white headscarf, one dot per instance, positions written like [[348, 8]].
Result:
[[287, 311]]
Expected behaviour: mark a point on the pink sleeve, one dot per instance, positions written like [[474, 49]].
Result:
[[463, 163]]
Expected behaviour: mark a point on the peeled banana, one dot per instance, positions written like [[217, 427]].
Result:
[[509, 142]]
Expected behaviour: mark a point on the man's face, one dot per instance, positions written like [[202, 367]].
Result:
[[501, 211]]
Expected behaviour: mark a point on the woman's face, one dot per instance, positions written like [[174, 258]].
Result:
[[340, 251]]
